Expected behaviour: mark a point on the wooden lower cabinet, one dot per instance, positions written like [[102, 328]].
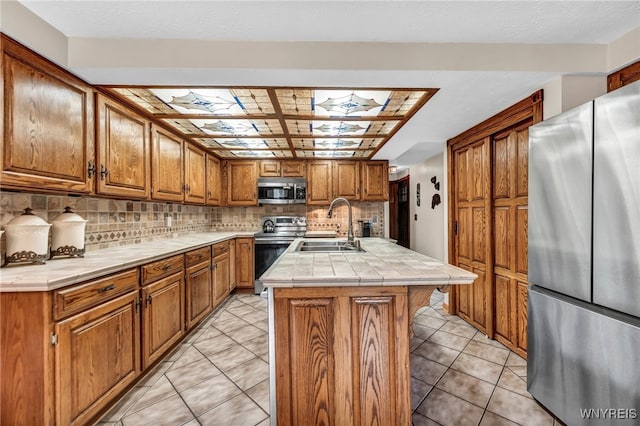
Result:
[[342, 356], [162, 316], [221, 280], [97, 357], [233, 283], [245, 262], [198, 292], [67, 354]]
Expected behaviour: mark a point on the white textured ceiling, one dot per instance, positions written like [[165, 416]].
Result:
[[360, 20], [466, 96]]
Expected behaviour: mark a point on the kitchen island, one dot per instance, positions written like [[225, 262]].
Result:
[[340, 326]]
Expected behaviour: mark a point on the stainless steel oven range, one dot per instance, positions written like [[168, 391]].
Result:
[[277, 233]]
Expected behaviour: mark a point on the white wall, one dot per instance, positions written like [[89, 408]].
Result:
[[24, 26], [568, 91], [428, 232]]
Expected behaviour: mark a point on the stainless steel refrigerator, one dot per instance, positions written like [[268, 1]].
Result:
[[583, 358]]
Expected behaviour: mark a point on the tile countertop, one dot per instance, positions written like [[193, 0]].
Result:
[[383, 263], [59, 272]]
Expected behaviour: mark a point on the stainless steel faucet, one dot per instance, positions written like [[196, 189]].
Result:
[[330, 212]]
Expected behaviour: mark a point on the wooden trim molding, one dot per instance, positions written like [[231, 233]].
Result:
[[624, 76], [528, 107]]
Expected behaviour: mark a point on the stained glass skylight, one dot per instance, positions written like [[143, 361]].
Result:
[[281, 122]]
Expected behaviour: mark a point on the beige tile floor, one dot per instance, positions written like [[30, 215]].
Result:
[[220, 375]]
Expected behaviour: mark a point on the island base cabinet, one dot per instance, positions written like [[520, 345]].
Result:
[[342, 356], [97, 357]]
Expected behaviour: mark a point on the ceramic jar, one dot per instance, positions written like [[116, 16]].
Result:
[[27, 239], [67, 234]]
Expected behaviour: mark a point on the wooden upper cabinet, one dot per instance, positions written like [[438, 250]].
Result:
[[375, 181], [319, 182], [346, 179], [194, 172], [270, 168], [214, 181], [284, 168], [242, 183], [293, 168], [167, 166], [47, 125], [123, 159]]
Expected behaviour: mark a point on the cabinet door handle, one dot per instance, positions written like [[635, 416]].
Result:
[[138, 303], [166, 267], [103, 172], [91, 169], [148, 299], [106, 288]]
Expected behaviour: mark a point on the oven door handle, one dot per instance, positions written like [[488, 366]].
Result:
[[273, 241]]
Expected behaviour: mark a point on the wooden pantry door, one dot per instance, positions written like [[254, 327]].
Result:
[[488, 193], [510, 214], [472, 231]]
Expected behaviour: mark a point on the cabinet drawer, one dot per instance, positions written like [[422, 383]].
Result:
[[197, 256], [162, 268], [68, 301], [220, 248]]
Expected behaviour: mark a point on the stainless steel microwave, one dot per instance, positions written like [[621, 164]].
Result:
[[277, 190]]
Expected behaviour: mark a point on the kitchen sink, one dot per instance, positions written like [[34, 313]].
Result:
[[329, 246]]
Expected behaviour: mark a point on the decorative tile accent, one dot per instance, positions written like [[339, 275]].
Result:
[[111, 222], [114, 223], [249, 218]]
